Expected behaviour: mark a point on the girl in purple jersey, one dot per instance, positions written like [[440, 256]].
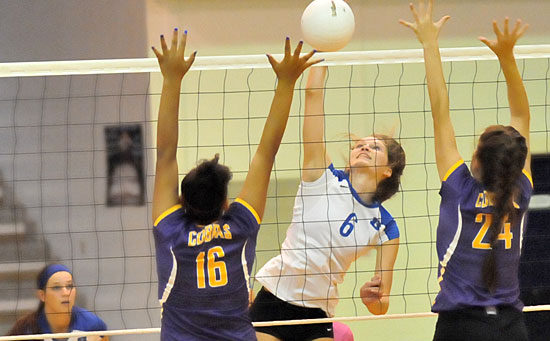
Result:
[[482, 213], [203, 244]]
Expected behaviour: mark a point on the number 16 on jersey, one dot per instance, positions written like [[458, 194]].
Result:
[[217, 270]]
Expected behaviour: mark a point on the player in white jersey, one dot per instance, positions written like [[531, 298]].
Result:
[[337, 218]]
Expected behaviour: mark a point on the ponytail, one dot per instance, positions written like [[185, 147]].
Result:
[[396, 161], [501, 153], [28, 324]]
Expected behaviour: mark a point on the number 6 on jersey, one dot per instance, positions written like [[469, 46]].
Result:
[[215, 268]]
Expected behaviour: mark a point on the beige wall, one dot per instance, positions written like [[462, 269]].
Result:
[[255, 27]]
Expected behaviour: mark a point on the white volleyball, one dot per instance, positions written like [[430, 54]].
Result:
[[328, 25]]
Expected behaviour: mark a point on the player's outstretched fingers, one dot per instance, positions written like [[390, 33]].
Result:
[[287, 46], [157, 53], [183, 43], [271, 60], [298, 49], [163, 44], [174, 46], [496, 29]]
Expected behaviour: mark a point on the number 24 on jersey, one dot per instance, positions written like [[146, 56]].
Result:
[[506, 235]]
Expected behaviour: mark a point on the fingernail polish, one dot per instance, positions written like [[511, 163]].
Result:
[[185, 32], [175, 29]]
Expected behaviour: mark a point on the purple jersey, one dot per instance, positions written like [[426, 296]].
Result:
[[463, 243], [203, 274]]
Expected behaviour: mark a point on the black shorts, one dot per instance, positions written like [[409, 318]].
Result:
[[478, 323], [267, 307]]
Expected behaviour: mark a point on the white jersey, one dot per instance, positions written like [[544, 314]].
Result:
[[330, 229]]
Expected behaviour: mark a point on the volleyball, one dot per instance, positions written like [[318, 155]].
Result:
[[328, 25]]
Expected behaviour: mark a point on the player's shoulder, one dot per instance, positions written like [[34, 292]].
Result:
[[526, 178], [391, 228], [457, 171], [458, 181], [241, 207], [173, 213], [385, 215], [329, 175], [337, 173], [84, 319]]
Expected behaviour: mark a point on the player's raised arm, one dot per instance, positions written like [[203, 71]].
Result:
[[427, 32], [254, 190], [173, 66], [503, 47], [316, 160]]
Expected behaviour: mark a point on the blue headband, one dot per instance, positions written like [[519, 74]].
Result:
[[48, 272]]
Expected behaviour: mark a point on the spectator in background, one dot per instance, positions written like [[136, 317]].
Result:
[[56, 312]]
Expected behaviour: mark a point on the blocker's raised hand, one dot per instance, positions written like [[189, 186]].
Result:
[[292, 65], [506, 40], [423, 26], [172, 60]]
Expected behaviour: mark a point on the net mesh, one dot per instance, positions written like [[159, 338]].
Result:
[[77, 166]]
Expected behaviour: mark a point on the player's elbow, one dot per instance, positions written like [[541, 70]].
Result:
[[379, 307], [266, 153], [263, 159], [166, 153], [314, 93]]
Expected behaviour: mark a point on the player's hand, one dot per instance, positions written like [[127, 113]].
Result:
[[292, 65], [423, 26], [172, 62], [370, 291], [506, 40]]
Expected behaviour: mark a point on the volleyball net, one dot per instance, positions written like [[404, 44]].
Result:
[[77, 157]]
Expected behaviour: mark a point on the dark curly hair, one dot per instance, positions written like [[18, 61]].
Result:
[[204, 191]]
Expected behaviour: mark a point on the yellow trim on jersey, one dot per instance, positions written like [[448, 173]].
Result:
[[528, 175], [166, 213], [250, 208], [452, 169]]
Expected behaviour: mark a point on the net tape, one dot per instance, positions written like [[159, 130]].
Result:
[[108, 66]]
